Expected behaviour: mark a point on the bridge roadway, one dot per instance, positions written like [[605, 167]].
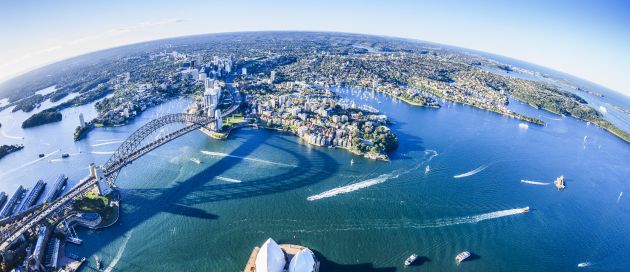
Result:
[[85, 185]]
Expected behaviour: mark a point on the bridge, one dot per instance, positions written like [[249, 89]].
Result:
[[144, 140]]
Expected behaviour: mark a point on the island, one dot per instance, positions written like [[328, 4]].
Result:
[[8, 149]]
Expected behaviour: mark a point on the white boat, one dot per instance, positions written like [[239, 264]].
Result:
[[584, 264], [195, 160], [411, 259], [351, 161], [427, 169], [461, 257]]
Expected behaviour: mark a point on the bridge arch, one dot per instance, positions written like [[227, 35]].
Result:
[[139, 142]]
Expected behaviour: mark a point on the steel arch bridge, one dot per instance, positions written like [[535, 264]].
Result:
[[140, 143]]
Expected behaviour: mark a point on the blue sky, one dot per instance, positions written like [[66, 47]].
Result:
[[588, 39]]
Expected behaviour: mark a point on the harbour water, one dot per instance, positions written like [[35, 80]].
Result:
[[179, 215]]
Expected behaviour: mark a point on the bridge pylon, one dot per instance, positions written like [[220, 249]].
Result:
[[102, 182]]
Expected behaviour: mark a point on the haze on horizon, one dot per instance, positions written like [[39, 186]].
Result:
[[587, 39]]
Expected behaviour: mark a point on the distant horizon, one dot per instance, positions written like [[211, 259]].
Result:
[[584, 39], [490, 54]]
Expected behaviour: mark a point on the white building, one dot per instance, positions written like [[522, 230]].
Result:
[[304, 261], [270, 257], [81, 120]]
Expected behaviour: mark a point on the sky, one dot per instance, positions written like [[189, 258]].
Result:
[[587, 39]]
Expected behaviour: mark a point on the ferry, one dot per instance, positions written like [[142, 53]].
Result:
[[411, 259], [461, 257], [65, 155], [559, 183]]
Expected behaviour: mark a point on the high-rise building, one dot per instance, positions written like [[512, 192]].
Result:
[[272, 77], [81, 120], [217, 114]]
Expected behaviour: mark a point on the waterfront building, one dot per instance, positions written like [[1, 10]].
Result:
[[3, 199], [81, 120], [32, 196], [304, 261], [271, 257], [13, 201], [57, 188]]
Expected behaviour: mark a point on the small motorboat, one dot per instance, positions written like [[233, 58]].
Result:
[[351, 161], [526, 209], [42, 155], [427, 169], [195, 160], [65, 155], [411, 259], [461, 257]]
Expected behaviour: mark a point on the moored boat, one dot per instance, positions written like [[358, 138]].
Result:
[[411, 259], [461, 257], [65, 155]]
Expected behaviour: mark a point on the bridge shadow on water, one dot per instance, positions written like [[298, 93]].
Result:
[[180, 198]]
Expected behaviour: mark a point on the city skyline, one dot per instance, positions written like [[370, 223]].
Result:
[[584, 39]]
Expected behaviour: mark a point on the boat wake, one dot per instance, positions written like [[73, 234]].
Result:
[[103, 152], [352, 187], [210, 153], [29, 163], [107, 143], [534, 182], [229, 179], [370, 182], [439, 223], [472, 172], [119, 254]]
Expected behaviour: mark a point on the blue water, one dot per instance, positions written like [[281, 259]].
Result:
[[183, 216]]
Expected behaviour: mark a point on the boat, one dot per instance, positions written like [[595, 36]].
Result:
[[351, 161], [584, 264], [195, 160], [461, 257], [427, 169], [411, 259], [526, 209], [559, 183], [65, 155], [98, 262], [42, 155]]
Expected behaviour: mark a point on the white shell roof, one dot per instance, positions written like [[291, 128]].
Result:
[[304, 261], [270, 257]]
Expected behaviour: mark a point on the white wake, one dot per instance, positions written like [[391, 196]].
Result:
[[534, 182], [107, 143], [352, 187], [472, 172], [210, 153], [119, 253], [29, 163], [103, 152], [370, 182], [229, 179]]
